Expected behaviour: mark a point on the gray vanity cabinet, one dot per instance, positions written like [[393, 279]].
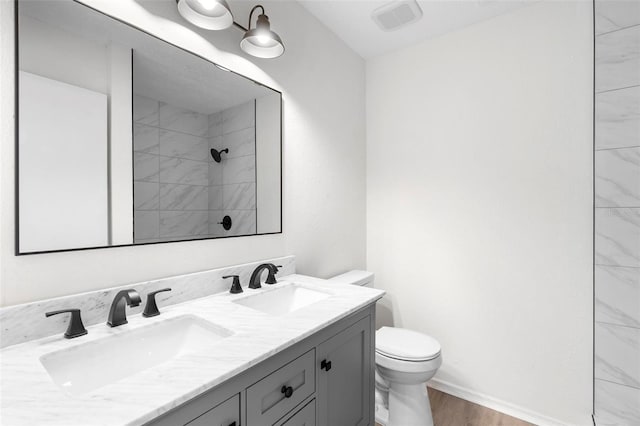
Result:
[[345, 377], [295, 387]]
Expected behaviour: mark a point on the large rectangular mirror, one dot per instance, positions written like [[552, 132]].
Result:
[[126, 139]]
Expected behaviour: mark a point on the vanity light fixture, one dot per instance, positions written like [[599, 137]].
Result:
[[260, 41], [208, 14]]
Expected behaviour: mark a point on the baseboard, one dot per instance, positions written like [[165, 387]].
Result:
[[494, 403]]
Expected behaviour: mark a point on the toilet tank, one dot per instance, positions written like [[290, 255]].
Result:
[[355, 277]]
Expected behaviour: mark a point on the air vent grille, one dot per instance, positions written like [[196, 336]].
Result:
[[397, 14]]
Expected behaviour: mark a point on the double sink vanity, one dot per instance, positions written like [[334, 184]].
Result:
[[296, 352]]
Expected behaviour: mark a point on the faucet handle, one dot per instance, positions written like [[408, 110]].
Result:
[[75, 328], [271, 278], [235, 287], [151, 307]]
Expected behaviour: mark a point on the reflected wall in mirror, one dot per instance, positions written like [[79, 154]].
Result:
[[126, 139]]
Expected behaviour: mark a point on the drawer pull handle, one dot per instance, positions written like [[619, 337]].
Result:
[[325, 365], [287, 391]]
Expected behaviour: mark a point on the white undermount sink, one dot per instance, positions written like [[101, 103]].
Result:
[[283, 300], [95, 364]]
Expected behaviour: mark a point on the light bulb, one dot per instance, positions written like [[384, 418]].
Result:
[[209, 14], [207, 4]]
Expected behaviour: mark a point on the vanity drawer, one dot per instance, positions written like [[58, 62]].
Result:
[[274, 396], [305, 417], [225, 414]]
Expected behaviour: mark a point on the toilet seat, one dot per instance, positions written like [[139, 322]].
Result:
[[406, 345], [404, 366]]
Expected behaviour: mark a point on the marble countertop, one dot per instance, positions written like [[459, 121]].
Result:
[[28, 396]]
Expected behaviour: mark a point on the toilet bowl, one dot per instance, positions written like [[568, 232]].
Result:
[[405, 361]]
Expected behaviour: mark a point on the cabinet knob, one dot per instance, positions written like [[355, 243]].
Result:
[[325, 365], [287, 391]]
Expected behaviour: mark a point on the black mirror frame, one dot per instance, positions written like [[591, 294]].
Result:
[[17, 141]]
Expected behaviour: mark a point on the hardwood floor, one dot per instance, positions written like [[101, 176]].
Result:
[[449, 410]]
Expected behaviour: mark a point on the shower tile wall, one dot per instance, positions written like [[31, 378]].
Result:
[[232, 183], [170, 172], [617, 213], [179, 192]]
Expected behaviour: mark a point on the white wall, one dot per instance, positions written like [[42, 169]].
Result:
[[60, 55], [267, 158], [324, 165], [63, 165], [479, 203], [120, 145]]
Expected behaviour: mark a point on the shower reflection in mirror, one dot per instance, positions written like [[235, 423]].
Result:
[[194, 152]]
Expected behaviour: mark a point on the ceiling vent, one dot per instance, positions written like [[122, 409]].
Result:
[[397, 14]]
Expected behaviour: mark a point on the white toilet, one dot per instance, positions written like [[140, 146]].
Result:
[[405, 361]]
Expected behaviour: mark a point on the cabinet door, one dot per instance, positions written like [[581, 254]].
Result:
[[225, 414], [345, 371]]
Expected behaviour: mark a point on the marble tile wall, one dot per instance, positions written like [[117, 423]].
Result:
[[179, 191], [617, 213], [232, 189], [171, 172]]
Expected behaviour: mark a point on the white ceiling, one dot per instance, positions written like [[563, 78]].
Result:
[[170, 75], [351, 21]]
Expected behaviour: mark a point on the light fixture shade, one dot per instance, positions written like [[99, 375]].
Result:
[[208, 14], [261, 42]]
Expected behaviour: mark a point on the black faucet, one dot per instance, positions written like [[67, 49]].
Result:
[[151, 308], [254, 282], [117, 313], [75, 328], [235, 287]]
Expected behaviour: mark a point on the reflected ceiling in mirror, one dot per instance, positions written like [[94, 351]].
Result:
[[126, 139]]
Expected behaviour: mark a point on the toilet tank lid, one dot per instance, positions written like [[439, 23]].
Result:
[[355, 277], [406, 344]]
